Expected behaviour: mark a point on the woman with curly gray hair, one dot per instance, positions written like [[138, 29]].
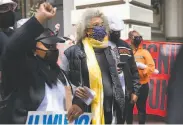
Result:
[[91, 67]]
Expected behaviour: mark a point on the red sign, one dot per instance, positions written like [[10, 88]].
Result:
[[164, 54]]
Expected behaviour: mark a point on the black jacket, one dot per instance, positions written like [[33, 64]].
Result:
[[78, 74], [8, 31], [130, 69], [3, 39], [24, 73], [175, 90]]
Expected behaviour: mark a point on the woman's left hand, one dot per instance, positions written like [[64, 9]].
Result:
[[82, 93]]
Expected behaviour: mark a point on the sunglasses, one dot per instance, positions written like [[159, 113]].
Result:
[[137, 38], [6, 7]]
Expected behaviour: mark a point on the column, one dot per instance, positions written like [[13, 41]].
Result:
[[174, 19], [68, 6]]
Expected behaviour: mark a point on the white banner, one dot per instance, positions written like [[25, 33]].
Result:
[[56, 118]]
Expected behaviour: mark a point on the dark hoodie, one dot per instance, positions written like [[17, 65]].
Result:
[[175, 87]]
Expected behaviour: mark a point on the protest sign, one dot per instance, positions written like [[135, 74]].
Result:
[[164, 55], [56, 118]]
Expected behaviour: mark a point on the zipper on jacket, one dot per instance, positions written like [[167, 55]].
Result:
[[81, 78]]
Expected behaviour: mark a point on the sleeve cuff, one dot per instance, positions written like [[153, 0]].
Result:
[[79, 102]]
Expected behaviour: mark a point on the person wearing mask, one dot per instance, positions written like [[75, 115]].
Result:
[[91, 66], [31, 77], [7, 19], [129, 75], [142, 56], [7, 16]]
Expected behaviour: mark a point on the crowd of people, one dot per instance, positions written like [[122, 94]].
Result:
[[98, 66]]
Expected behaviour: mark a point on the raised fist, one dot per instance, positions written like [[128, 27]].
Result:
[[45, 12]]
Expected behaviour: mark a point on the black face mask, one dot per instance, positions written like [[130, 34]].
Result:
[[115, 36], [51, 56], [7, 19], [137, 41]]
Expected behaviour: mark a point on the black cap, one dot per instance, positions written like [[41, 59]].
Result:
[[49, 37]]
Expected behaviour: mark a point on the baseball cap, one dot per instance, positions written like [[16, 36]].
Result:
[[6, 5], [49, 37], [115, 23]]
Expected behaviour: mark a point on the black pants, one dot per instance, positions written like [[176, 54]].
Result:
[[141, 106], [108, 117]]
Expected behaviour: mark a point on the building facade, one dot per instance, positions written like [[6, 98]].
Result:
[[137, 14], [24, 7], [160, 20]]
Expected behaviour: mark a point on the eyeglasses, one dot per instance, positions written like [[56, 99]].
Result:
[[6, 7], [96, 24]]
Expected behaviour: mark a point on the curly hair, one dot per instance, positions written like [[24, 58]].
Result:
[[85, 22]]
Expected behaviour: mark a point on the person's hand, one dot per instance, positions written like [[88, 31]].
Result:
[[74, 112], [45, 12], [57, 27], [134, 98], [141, 65], [81, 92], [156, 71]]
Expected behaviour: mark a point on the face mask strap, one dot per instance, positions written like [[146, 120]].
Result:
[[40, 52]]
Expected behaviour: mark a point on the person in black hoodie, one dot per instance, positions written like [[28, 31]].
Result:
[[124, 56], [175, 87], [7, 16], [7, 19], [31, 73], [3, 38]]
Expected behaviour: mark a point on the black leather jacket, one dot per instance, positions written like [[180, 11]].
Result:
[[129, 68], [78, 73]]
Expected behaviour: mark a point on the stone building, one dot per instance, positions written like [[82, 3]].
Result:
[[160, 20]]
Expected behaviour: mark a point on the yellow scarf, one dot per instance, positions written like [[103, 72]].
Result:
[[95, 78]]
